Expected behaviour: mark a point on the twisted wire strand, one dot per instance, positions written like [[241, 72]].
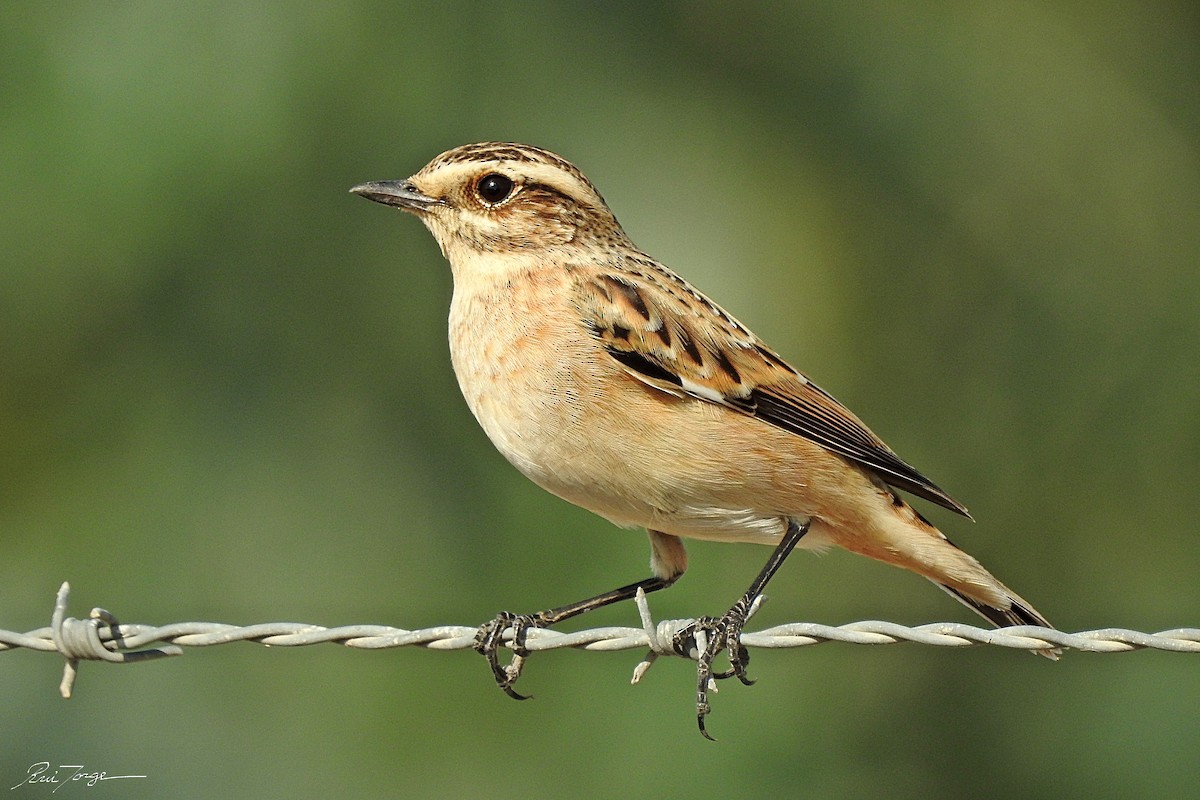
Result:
[[102, 637]]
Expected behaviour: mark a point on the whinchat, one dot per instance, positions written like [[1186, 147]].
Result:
[[611, 382]]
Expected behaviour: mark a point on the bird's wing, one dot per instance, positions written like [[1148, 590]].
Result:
[[669, 336]]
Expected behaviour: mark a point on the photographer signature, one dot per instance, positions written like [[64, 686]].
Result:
[[40, 772]]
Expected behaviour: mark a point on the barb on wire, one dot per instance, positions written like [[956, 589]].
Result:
[[101, 637]]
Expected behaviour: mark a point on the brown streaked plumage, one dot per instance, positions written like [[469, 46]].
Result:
[[610, 381]]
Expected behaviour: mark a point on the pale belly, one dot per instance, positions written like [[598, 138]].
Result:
[[574, 423]]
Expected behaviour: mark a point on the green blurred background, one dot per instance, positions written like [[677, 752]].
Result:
[[226, 393]]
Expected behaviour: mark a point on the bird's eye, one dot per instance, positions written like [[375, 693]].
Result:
[[494, 188]]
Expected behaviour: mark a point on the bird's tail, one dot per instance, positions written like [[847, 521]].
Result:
[[905, 539], [1019, 612]]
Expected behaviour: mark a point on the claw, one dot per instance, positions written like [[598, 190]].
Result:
[[701, 714], [704, 640], [490, 639], [739, 657]]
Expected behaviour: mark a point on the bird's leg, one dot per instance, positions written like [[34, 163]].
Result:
[[725, 633], [490, 637]]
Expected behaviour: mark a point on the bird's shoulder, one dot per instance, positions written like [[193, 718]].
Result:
[[665, 331]]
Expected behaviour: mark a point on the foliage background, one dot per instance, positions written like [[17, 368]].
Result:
[[226, 393]]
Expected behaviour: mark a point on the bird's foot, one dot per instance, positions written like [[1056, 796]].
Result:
[[704, 640], [490, 638]]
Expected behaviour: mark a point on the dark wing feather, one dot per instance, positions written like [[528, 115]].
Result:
[[831, 425]]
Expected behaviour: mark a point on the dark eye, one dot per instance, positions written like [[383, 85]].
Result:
[[494, 188]]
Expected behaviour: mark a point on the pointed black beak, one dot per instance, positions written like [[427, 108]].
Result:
[[401, 194]]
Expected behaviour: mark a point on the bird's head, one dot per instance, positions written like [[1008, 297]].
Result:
[[501, 199]]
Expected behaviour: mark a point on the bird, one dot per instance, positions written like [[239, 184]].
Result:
[[610, 381]]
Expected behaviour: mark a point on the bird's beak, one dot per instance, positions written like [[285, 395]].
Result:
[[401, 194]]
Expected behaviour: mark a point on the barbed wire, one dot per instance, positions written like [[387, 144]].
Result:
[[101, 637]]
